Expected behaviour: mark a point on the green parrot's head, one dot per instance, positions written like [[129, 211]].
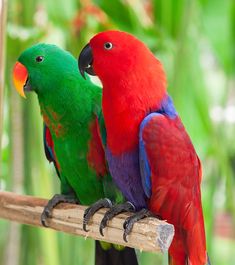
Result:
[[42, 67]]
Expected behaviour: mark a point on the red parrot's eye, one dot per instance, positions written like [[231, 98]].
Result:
[[39, 59], [108, 46]]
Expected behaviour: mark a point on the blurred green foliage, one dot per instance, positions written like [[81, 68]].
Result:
[[195, 40]]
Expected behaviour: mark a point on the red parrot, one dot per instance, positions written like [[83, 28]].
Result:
[[149, 153]]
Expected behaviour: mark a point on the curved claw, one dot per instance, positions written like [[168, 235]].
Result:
[[47, 213], [103, 224], [130, 221], [56, 199], [89, 212], [84, 228], [115, 210], [44, 216], [85, 220], [127, 228]]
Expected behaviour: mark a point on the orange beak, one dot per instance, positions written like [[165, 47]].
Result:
[[20, 75]]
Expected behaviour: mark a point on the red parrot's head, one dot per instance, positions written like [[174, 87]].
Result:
[[114, 55], [133, 84]]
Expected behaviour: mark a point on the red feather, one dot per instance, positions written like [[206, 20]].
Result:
[[49, 145], [176, 175], [134, 85], [96, 155], [124, 107]]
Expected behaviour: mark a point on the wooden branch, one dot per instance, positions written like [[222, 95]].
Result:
[[149, 234]]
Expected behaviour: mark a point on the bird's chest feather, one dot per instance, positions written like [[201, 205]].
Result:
[[122, 126], [54, 121]]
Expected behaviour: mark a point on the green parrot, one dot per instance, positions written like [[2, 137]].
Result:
[[73, 132]]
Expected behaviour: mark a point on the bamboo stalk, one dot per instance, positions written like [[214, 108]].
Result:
[[149, 234], [3, 8]]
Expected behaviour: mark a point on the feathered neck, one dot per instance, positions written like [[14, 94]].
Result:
[[127, 100]]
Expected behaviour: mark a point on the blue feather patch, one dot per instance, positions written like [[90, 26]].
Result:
[[144, 164], [48, 150], [167, 108]]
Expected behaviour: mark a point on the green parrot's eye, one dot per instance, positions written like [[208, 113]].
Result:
[[108, 46], [39, 59]]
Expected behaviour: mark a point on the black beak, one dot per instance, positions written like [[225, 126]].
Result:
[[85, 61], [27, 86]]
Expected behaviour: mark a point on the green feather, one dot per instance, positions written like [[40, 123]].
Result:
[[69, 104]]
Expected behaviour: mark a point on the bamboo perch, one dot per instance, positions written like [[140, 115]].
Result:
[[149, 234]]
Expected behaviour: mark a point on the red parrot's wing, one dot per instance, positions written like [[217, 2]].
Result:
[[49, 148], [171, 175]]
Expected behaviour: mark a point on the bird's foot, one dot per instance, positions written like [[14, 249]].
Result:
[[90, 211], [130, 221], [56, 199], [115, 210]]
